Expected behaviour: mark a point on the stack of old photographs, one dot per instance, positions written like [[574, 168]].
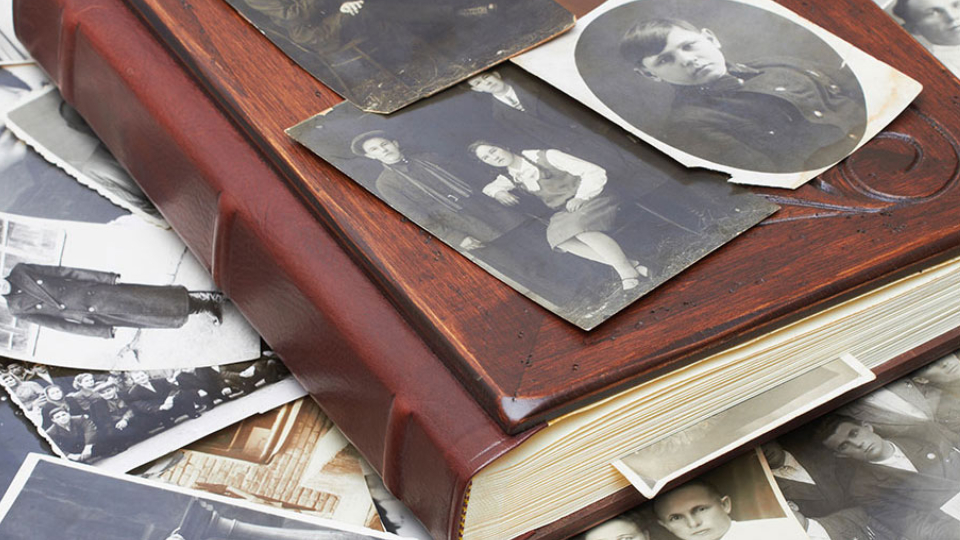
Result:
[[584, 211], [884, 467]]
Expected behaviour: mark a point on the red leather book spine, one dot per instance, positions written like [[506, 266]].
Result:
[[370, 372]]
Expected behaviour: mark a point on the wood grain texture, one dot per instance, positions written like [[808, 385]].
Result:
[[888, 209]]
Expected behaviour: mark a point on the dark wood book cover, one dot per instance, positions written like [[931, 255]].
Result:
[[335, 309], [887, 209]]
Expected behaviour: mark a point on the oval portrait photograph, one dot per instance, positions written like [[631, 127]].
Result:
[[725, 81]]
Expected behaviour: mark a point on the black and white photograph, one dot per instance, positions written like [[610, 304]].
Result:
[[744, 87], [29, 184], [886, 466], [651, 467], [545, 195], [20, 438], [120, 420], [54, 129], [394, 515], [11, 50], [115, 296], [934, 23], [57, 499], [736, 501], [382, 55]]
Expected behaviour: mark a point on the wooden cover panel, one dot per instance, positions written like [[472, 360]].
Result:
[[889, 208]]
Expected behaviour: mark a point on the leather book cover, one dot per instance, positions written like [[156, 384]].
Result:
[[331, 324], [887, 210], [336, 298]]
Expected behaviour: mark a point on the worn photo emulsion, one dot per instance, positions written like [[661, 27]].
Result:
[[740, 86], [385, 54], [57, 499], [544, 194]]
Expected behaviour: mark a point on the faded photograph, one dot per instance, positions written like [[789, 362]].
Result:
[[545, 195], [736, 501], [11, 50], [57, 499], [291, 457], [123, 419], [741, 86], [57, 131], [126, 295], [29, 184], [886, 466], [934, 23], [653, 466], [385, 54]]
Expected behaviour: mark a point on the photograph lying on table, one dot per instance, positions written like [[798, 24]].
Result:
[[745, 87], [292, 457], [125, 295], [884, 466], [56, 499], [736, 501], [120, 420], [29, 184], [545, 195], [385, 54], [11, 50], [57, 131]]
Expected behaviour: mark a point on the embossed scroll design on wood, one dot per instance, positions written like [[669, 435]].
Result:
[[914, 164]]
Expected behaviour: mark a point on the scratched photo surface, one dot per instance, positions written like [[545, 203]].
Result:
[[544, 194], [57, 499], [385, 54], [745, 87], [121, 295]]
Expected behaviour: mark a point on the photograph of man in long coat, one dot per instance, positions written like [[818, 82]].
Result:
[[92, 303]]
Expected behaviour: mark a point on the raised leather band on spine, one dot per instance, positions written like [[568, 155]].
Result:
[[345, 342]]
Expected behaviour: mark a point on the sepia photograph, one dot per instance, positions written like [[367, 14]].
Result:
[[885, 466], [382, 55], [653, 466], [745, 87], [55, 130], [120, 420], [11, 50], [546, 196], [291, 457], [736, 501], [29, 184], [933, 23], [56, 499], [126, 295]]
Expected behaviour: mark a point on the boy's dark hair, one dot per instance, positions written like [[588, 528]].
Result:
[[828, 426], [648, 38], [472, 147], [902, 9]]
